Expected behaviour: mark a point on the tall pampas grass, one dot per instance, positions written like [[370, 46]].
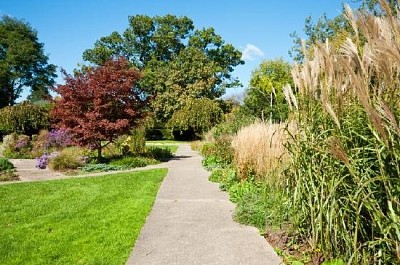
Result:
[[259, 150], [344, 177]]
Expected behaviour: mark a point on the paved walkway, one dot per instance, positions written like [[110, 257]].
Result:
[[191, 223], [191, 220]]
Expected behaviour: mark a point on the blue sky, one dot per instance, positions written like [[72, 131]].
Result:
[[259, 28]]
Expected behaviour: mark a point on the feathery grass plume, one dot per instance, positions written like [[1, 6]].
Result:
[[259, 150], [290, 97], [347, 200], [337, 150]]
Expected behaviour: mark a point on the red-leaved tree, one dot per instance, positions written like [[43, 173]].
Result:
[[100, 104]]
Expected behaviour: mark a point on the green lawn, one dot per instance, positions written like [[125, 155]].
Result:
[[75, 221]]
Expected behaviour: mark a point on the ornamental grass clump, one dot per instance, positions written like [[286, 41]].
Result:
[[69, 158], [344, 178], [259, 150]]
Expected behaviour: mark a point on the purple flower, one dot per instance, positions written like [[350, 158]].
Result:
[[58, 138], [43, 161], [21, 144]]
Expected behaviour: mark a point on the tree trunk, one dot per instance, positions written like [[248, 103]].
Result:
[[99, 153]]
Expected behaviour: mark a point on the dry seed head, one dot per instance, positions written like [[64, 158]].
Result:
[[337, 150]]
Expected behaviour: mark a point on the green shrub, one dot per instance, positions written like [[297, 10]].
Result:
[[101, 168], [137, 143], [5, 165], [234, 121], [24, 118], [132, 162], [218, 153], [7, 170], [69, 158], [159, 153]]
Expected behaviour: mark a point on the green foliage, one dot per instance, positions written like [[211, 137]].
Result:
[[137, 141], [5, 165], [262, 206], [23, 62], [218, 153], [101, 168], [233, 122], [69, 158], [197, 116], [264, 97], [24, 118], [132, 162], [334, 262], [76, 221], [160, 153], [178, 62], [226, 177]]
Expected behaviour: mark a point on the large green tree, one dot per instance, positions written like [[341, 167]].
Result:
[[178, 62], [264, 97], [22, 62]]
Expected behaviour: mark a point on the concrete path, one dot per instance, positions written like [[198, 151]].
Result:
[[27, 171], [191, 223]]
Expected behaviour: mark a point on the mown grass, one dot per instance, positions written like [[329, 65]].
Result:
[[75, 221]]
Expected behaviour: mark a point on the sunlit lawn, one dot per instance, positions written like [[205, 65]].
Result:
[[75, 221]]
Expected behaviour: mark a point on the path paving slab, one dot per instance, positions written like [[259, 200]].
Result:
[[191, 223]]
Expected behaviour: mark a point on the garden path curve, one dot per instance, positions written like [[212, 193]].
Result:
[[191, 220], [191, 223]]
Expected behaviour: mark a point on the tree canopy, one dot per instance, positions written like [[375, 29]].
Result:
[[178, 62], [264, 97], [22, 62], [197, 116], [99, 104]]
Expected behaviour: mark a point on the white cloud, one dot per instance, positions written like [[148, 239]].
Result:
[[251, 52]]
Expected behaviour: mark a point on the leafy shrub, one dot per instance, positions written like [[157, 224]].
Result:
[[137, 143], [234, 121], [17, 146], [24, 118], [132, 162], [159, 153], [218, 153], [7, 170], [5, 165], [101, 168], [114, 149], [67, 159]]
